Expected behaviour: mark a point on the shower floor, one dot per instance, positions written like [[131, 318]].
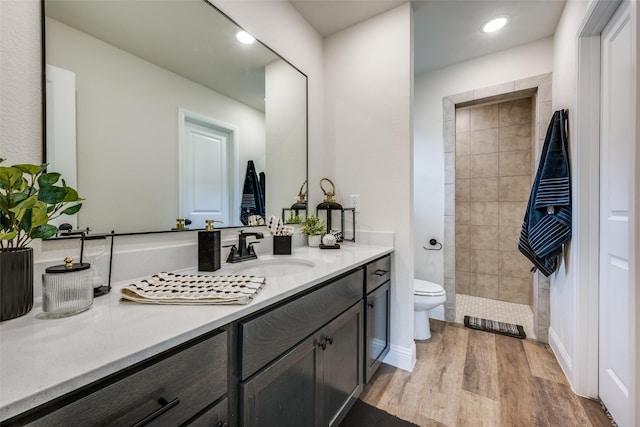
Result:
[[500, 311]]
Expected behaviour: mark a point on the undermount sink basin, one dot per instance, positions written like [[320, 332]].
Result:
[[273, 267]]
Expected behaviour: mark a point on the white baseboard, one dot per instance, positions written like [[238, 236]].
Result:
[[402, 357], [564, 359]]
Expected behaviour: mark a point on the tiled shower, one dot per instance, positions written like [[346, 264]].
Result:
[[494, 152], [502, 129]]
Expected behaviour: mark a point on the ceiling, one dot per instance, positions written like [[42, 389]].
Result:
[[445, 31]]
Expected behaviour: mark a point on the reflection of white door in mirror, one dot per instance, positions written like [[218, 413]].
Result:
[[208, 163], [61, 130]]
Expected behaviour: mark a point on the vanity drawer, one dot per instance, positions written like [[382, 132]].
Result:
[[267, 336], [378, 272], [171, 390]]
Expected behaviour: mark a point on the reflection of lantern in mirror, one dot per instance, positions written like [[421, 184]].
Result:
[[333, 215], [293, 214]]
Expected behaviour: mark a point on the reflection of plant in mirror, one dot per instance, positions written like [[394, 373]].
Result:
[[293, 219], [29, 199], [312, 226]]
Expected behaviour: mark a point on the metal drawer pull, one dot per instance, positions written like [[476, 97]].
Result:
[[329, 339], [381, 272], [164, 408], [221, 424]]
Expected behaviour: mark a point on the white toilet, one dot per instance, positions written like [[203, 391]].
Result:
[[427, 295]]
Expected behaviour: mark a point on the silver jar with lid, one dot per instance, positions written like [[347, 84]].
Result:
[[66, 289]]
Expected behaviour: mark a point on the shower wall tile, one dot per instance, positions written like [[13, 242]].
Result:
[[483, 238], [449, 262], [483, 213], [449, 231], [484, 285], [530, 82], [449, 168], [511, 214], [516, 290], [508, 238], [545, 112], [514, 163], [544, 91], [483, 165], [485, 117], [462, 190], [516, 137], [483, 190], [462, 212], [449, 199], [462, 144], [515, 112], [462, 237], [483, 141], [515, 188], [484, 262], [448, 109], [514, 264], [462, 121], [463, 280], [462, 167], [449, 134], [504, 89], [462, 259]]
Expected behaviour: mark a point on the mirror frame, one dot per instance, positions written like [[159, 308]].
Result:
[[134, 233]]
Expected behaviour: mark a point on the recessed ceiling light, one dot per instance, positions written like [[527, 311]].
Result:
[[495, 24], [245, 37]]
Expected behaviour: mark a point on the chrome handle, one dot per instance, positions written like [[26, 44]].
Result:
[[166, 406], [380, 272]]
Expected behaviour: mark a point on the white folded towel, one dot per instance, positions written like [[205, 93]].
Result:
[[170, 288]]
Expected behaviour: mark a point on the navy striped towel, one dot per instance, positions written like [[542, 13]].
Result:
[[547, 221]]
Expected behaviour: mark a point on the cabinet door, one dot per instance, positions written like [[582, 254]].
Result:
[[214, 417], [342, 365], [377, 329], [284, 394]]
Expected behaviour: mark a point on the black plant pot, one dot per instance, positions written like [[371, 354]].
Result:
[[16, 283]]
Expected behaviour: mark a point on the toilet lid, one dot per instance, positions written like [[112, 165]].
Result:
[[423, 287]]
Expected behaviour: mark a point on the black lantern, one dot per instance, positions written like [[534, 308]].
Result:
[[297, 207], [333, 214]]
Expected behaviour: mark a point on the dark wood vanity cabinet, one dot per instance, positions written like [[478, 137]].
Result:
[[300, 362], [166, 390], [316, 381], [377, 312]]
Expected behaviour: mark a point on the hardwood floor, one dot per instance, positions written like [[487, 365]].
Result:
[[465, 377]]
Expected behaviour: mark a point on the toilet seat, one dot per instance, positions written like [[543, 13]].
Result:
[[425, 288]]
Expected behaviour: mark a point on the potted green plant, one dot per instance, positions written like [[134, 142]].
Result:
[[29, 198], [313, 227]]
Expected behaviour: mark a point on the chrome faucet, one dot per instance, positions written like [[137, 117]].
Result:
[[243, 251]]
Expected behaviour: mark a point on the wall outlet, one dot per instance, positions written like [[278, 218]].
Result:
[[354, 202]]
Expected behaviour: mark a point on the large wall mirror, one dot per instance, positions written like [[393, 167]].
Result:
[[155, 111]]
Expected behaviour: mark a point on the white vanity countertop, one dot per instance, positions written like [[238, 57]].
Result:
[[41, 359]]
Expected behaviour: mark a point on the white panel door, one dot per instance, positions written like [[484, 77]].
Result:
[[204, 174], [616, 187]]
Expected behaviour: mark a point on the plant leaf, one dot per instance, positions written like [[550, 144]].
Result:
[[52, 195], [47, 179], [9, 176], [44, 231], [8, 236], [72, 210], [72, 195], [31, 169]]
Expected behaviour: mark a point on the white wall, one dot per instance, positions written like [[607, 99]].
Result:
[[562, 331], [509, 65], [368, 82]]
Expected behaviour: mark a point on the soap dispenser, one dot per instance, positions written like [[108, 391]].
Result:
[[209, 247]]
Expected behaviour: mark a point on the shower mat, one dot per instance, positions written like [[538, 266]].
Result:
[[501, 328], [170, 288]]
